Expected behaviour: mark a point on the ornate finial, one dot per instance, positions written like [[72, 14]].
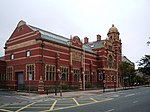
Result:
[[112, 25]]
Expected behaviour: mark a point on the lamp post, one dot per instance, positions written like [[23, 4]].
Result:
[[104, 86], [148, 42], [83, 69], [114, 83]]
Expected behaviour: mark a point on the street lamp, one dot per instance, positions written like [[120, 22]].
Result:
[[148, 43], [114, 83], [103, 73], [84, 69]]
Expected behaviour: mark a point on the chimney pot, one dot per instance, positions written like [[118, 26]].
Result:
[[98, 37], [86, 40]]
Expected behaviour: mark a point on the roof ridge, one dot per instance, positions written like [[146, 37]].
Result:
[[47, 31]]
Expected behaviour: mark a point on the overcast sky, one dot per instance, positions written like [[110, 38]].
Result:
[[84, 18]]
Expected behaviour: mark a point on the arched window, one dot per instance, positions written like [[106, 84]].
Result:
[[63, 77], [76, 74], [64, 73]]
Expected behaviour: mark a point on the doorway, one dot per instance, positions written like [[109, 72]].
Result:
[[20, 80]]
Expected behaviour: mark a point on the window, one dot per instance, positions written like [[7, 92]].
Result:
[[110, 47], [12, 56], [50, 72], [64, 73], [112, 78], [76, 74], [110, 61], [87, 77], [30, 71], [28, 53], [2, 76], [101, 76], [9, 73]]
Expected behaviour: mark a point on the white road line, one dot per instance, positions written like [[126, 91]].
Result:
[[129, 95], [110, 110]]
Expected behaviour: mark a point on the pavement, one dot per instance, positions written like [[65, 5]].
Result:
[[107, 101]]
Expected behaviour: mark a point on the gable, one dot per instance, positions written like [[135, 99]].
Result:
[[22, 34], [21, 30], [76, 42]]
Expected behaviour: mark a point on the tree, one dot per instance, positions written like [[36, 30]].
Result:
[[144, 64], [128, 73]]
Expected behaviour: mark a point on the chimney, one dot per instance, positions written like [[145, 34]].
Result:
[[86, 40], [98, 37]]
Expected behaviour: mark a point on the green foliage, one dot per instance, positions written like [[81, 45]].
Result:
[[144, 64], [139, 80], [128, 72]]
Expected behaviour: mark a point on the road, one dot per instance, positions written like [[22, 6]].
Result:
[[135, 100], [132, 100]]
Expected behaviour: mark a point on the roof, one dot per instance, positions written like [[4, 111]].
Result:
[[57, 38], [51, 36], [125, 59], [113, 29], [2, 58], [97, 44]]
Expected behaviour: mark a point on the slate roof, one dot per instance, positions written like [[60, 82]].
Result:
[[2, 58], [51, 36], [125, 59], [97, 44], [57, 38]]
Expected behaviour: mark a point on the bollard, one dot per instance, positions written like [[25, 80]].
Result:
[[61, 93], [55, 92], [47, 91]]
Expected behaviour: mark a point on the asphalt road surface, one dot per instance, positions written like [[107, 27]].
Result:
[[132, 100], [135, 100]]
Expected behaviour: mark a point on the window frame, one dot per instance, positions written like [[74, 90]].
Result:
[[12, 56], [9, 74], [30, 69], [64, 73], [77, 74], [50, 72], [28, 54]]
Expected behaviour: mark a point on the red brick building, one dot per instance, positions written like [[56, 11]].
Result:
[[2, 71], [41, 59]]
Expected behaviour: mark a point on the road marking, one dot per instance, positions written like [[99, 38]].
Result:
[[4, 105], [110, 110], [52, 107], [93, 99], [129, 95], [78, 104], [75, 101], [25, 107], [5, 110]]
